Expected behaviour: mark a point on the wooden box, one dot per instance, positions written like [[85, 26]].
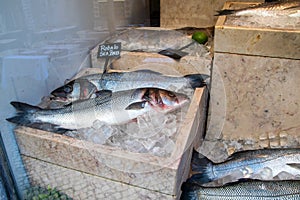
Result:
[[254, 96], [86, 170]]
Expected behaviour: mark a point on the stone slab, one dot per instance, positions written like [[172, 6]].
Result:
[[83, 186], [140, 47], [254, 104], [193, 13], [252, 39], [145, 171]]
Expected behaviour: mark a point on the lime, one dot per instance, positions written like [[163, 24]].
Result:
[[200, 37]]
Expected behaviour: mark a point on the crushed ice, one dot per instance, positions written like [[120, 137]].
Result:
[[153, 133]]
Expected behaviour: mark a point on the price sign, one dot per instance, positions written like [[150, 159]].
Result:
[[109, 50]]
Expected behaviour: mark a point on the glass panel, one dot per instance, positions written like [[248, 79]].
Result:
[[43, 43]]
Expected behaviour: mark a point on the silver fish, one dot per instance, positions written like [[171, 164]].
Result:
[[265, 164], [250, 190], [111, 108], [288, 8], [86, 86]]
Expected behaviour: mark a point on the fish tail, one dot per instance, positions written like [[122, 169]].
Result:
[[24, 115], [24, 107], [225, 12], [189, 191], [22, 119], [197, 80], [202, 169]]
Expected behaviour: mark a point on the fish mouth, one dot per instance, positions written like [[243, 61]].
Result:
[[58, 98], [181, 100], [163, 100], [59, 93]]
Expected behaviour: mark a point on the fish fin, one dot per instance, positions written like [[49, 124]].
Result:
[[61, 130], [25, 117], [197, 80], [201, 168], [188, 185], [225, 12], [48, 127], [148, 71], [294, 165], [136, 106], [173, 53], [103, 93], [21, 118], [24, 114], [24, 107], [200, 178], [189, 191]]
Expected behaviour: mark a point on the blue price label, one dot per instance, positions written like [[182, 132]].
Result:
[[109, 50]]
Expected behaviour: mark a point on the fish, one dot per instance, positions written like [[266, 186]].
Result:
[[288, 8], [264, 164], [111, 108], [247, 190], [85, 87]]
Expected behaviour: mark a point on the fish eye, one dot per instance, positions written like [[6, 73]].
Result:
[[68, 89]]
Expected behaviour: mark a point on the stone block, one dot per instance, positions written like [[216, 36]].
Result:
[[58, 158]]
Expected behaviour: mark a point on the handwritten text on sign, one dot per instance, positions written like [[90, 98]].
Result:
[[109, 50]]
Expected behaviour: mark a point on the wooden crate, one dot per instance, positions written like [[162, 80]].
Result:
[[85, 170], [254, 96]]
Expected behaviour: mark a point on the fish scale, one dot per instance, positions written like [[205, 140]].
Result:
[[120, 81], [111, 108], [264, 164], [251, 190]]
